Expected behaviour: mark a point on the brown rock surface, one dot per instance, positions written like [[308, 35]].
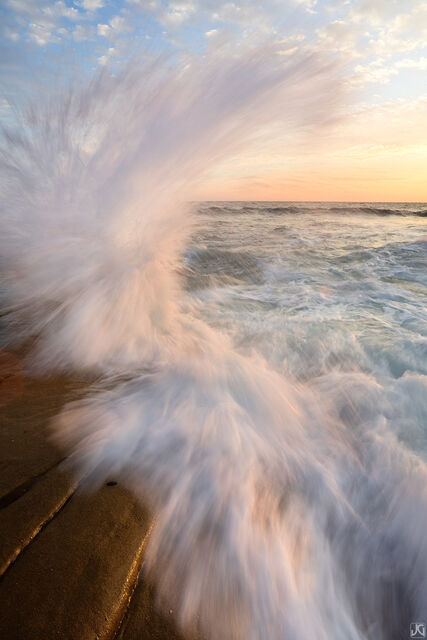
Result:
[[69, 557]]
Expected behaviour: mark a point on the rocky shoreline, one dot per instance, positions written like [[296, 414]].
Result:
[[70, 557]]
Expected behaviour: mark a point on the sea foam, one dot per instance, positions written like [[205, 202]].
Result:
[[271, 520]]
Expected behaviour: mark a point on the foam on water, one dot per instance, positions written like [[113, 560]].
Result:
[[287, 504]]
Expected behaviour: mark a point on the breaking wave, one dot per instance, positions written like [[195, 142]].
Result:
[[282, 508]]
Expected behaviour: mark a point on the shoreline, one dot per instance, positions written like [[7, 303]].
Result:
[[71, 557]]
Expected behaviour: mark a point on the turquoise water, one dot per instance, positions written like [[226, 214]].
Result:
[[323, 290]]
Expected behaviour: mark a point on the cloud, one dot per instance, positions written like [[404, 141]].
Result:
[[23, 6], [372, 72], [105, 59], [381, 28], [287, 52], [83, 32], [397, 15], [177, 12], [391, 25], [117, 25], [103, 29], [148, 5], [340, 36], [11, 34], [411, 63], [41, 34], [39, 22], [61, 10], [379, 72], [308, 4], [91, 5]]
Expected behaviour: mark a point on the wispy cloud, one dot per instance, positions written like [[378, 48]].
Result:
[[382, 44], [91, 5]]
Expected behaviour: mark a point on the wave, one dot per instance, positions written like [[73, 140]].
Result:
[[378, 211], [261, 208], [282, 509], [279, 210], [241, 266]]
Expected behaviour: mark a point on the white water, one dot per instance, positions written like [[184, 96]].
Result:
[[283, 510]]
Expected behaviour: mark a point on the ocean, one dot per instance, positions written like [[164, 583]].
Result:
[[322, 289], [334, 297], [261, 367]]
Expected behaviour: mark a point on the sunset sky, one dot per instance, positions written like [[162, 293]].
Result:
[[374, 148]]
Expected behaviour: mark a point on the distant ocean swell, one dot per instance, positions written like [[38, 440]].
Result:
[[379, 211], [262, 416], [308, 207]]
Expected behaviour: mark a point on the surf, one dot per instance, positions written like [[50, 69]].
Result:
[[262, 487]]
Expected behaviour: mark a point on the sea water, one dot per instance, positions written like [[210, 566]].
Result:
[[284, 442], [334, 296], [321, 290], [261, 366]]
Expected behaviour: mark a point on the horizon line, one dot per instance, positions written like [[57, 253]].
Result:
[[421, 202]]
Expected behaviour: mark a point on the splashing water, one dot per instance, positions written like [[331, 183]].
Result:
[[282, 507]]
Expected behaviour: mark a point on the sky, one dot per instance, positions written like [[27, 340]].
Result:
[[375, 147]]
